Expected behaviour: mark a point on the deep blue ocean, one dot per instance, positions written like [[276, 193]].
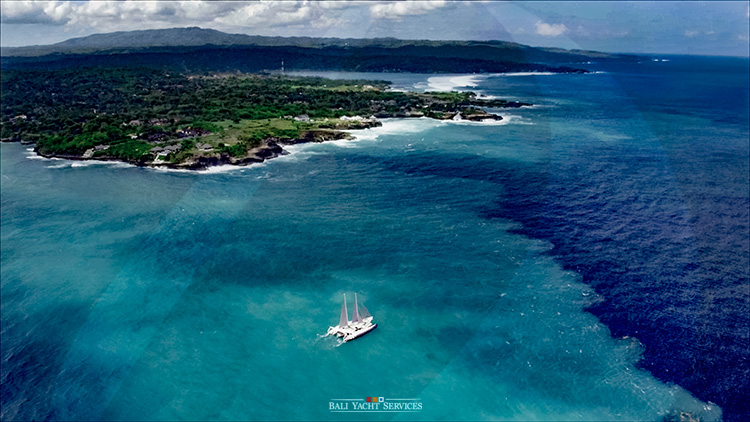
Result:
[[586, 258]]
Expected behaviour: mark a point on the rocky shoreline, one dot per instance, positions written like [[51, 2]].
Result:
[[268, 149], [273, 147]]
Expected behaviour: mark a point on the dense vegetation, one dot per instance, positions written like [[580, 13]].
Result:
[[137, 114], [479, 59], [194, 36]]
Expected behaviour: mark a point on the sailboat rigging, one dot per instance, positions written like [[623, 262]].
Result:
[[360, 324]]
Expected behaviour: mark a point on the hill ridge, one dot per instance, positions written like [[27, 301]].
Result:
[[194, 36]]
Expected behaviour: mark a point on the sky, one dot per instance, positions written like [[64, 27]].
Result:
[[660, 27]]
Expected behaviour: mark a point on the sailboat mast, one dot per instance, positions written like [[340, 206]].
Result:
[[344, 320], [355, 313]]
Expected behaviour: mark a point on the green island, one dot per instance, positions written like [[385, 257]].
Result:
[[152, 117]]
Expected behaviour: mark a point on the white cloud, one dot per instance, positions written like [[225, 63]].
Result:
[[283, 13], [398, 9], [33, 11], [691, 34], [553, 30], [136, 14], [57, 11]]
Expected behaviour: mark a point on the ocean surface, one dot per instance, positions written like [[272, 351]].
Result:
[[583, 259]]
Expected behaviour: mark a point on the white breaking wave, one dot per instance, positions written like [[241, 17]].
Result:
[[507, 120], [526, 74], [295, 153], [89, 163], [80, 164], [226, 168], [494, 75], [344, 143], [31, 155], [453, 83], [483, 96], [537, 106], [396, 126], [468, 82]]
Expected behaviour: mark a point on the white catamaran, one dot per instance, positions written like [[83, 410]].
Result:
[[360, 324]]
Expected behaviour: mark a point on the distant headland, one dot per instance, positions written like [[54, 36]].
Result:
[[196, 49]]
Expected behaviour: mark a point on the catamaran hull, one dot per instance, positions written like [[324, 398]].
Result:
[[359, 333]]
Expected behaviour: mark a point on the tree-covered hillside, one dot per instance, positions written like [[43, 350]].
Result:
[[128, 41], [140, 115], [196, 49]]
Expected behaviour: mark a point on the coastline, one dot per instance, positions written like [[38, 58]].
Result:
[[274, 147], [250, 128]]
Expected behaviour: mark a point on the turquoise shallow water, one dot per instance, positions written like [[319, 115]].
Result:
[[203, 297], [133, 294]]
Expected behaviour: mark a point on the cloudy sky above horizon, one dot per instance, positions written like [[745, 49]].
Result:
[[715, 28]]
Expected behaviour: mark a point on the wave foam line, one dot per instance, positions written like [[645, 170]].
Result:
[[507, 120], [454, 83], [396, 126], [526, 74]]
